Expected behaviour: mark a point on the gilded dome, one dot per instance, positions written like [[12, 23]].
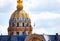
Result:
[[19, 15], [19, 23]]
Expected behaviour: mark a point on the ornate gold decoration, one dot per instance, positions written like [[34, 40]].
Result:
[[19, 4], [34, 37], [19, 15]]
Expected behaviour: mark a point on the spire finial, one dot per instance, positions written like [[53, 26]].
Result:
[[19, 4]]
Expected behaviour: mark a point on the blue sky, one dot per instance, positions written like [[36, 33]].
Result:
[[44, 13]]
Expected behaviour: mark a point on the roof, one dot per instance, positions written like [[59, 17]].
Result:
[[12, 38], [23, 37]]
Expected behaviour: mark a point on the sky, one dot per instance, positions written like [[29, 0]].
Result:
[[45, 14]]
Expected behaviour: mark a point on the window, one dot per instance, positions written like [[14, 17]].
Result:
[[17, 33], [17, 24], [24, 33], [23, 24], [27, 24]]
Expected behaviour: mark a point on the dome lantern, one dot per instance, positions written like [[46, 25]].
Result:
[[19, 4]]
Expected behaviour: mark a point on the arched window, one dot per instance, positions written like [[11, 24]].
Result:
[[23, 24], [27, 24], [17, 24], [17, 33]]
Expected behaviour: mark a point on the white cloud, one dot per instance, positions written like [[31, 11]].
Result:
[[52, 25], [41, 4], [44, 15], [3, 30], [3, 3], [48, 31], [58, 1], [40, 31], [28, 4], [1, 14], [34, 4]]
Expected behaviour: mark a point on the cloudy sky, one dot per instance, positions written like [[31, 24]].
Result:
[[44, 13]]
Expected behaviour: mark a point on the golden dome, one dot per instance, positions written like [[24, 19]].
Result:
[[20, 15], [19, 21]]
